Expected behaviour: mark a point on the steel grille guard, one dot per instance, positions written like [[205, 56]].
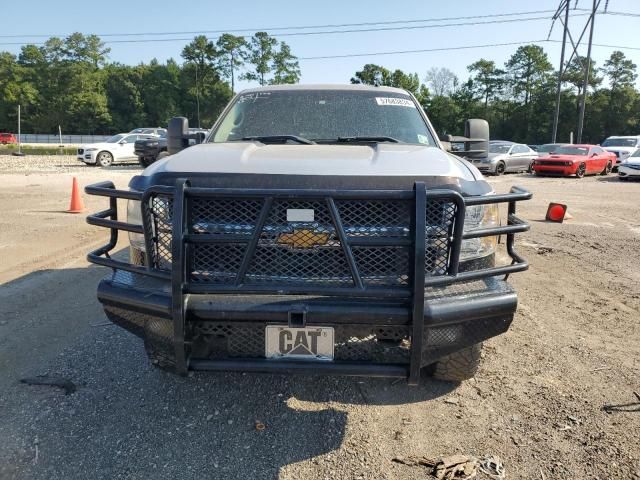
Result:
[[184, 239]]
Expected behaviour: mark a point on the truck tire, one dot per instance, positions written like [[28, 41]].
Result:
[[458, 366], [145, 161]]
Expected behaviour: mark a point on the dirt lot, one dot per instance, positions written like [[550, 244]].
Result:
[[537, 402]]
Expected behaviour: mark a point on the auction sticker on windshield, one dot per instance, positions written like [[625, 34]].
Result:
[[399, 102]]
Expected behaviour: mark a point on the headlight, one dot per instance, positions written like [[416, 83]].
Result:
[[134, 216], [91, 149], [477, 217], [152, 144]]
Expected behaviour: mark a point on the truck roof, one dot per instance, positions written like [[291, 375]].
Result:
[[325, 86]]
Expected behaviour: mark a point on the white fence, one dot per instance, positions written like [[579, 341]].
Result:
[[66, 139]]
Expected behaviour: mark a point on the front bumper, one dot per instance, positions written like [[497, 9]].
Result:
[[227, 332], [485, 167], [627, 171], [87, 157], [563, 170]]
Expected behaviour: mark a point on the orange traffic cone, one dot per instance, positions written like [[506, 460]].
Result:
[[557, 212], [76, 205]]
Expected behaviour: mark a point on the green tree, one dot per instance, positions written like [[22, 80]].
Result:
[[261, 53], [160, 92], [621, 95], [123, 89], [528, 68], [528, 71], [15, 89], [271, 61], [89, 48], [372, 74], [487, 81], [285, 66], [202, 57], [233, 54]]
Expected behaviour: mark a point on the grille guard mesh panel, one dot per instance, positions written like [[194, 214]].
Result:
[[326, 264]]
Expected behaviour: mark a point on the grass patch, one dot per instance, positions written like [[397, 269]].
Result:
[[28, 150]]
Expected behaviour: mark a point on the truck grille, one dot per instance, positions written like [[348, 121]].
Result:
[[309, 252]]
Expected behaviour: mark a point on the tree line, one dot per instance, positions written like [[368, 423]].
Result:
[[519, 98], [70, 82]]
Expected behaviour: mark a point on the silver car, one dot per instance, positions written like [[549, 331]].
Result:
[[506, 157]]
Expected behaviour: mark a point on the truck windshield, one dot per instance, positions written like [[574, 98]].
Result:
[[325, 116], [620, 142]]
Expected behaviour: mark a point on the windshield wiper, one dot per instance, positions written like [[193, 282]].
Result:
[[372, 139], [279, 138]]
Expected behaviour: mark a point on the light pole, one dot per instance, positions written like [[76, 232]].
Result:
[[19, 152], [197, 95]]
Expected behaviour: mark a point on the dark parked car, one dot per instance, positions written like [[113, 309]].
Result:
[[152, 149]]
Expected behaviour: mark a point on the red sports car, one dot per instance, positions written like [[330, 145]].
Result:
[[7, 138], [578, 160]]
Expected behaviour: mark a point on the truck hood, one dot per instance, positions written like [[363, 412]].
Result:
[[380, 160], [255, 165]]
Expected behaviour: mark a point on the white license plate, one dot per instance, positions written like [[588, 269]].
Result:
[[310, 343]]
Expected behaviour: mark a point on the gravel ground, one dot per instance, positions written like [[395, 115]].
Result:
[[537, 401], [30, 164]]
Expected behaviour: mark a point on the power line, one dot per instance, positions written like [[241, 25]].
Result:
[[303, 27], [325, 32], [609, 12], [444, 49], [621, 47], [423, 50]]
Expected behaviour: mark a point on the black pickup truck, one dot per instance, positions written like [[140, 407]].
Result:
[[152, 149], [320, 229]]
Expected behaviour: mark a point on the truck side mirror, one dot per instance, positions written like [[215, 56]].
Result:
[[478, 130], [177, 135]]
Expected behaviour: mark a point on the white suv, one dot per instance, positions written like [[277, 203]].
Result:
[[622, 146], [117, 148]]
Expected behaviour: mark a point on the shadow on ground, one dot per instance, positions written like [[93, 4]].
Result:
[[129, 420]]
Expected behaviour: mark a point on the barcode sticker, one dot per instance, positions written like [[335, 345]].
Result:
[[399, 102]]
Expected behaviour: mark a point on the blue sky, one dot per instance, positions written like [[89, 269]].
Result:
[[64, 17]]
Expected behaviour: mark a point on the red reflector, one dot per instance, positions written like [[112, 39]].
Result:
[[556, 212]]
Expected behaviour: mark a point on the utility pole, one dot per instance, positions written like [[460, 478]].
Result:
[[587, 71], [556, 116], [197, 95]]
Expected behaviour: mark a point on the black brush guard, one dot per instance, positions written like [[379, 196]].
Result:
[[183, 239]]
